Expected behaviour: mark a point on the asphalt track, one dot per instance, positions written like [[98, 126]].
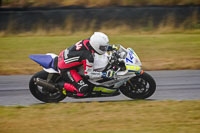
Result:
[[171, 85]]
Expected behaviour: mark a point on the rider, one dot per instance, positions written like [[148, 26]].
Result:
[[82, 53]]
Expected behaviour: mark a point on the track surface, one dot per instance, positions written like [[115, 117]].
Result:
[[171, 85]]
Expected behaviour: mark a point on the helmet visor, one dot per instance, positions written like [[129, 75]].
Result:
[[103, 48]]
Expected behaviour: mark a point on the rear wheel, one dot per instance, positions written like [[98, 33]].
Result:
[[42, 93], [139, 87]]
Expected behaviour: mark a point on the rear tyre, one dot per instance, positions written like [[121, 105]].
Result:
[[43, 94], [139, 87]]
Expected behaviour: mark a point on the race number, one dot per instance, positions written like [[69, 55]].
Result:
[[130, 59], [78, 45]]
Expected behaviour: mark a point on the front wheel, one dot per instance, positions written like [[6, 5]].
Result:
[[42, 93], [139, 87]]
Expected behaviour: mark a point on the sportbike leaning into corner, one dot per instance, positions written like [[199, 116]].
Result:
[[91, 68]]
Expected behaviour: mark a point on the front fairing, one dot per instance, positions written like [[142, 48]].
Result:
[[132, 64], [132, 61]]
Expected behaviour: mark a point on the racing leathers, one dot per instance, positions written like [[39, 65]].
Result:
[[79, 54]]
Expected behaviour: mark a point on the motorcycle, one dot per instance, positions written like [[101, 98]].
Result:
[[129, 80]]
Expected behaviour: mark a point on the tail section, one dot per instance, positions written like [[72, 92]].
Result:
[[44, 60]]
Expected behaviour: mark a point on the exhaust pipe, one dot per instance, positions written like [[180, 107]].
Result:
[[44, 83]]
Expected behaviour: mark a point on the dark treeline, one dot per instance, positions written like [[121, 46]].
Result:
[[79, 18]]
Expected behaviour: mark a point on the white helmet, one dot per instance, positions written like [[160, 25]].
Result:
[[99, 42]]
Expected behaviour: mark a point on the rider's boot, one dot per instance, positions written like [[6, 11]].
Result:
[[68, 87]]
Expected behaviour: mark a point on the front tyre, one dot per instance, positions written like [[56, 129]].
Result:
[[43, 94], [139, 87]]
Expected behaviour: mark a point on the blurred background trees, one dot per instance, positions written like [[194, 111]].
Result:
[[115, 16], [97, 3]]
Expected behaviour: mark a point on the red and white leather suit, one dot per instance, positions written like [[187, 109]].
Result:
[[79, 54]]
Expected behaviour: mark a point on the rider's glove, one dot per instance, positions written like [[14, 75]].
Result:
[[116, 47], [109, 74], [113, 47]]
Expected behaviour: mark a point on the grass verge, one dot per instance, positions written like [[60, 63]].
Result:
[[103, 117], [157, 51]]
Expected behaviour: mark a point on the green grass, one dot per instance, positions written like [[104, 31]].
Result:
[[14, 51], [103, 117], [157, 51]]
